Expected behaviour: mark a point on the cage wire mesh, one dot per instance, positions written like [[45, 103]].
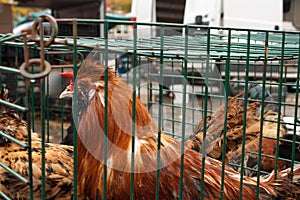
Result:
[[186, 80]]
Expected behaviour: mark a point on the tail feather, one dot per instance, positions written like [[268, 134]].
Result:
[[287, 183]]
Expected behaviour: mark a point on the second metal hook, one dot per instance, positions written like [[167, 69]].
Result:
[[53, 27]]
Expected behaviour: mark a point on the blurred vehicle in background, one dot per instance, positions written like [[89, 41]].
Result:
[[256, 14]]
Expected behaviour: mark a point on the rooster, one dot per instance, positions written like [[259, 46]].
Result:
[[91, 104], [234, 133], [58, 162]]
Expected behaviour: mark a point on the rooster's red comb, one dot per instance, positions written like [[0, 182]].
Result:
[[69, 75]]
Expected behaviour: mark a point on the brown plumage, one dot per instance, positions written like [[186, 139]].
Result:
[[215, 127], [58, 163], [268, 146], [235, 118], [91, 136], [59, 171], [12, 124]]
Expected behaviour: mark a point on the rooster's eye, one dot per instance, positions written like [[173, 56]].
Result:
[[80, 83], [83, 83]]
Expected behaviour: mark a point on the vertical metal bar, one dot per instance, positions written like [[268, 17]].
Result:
[[62, 108], [227, 90], [245, 113], [296, 108], [29, 85], [28, 117], [102, 12], [75, 117], [173, 108], [184, 82], [105, 109], [150, 95], [42, 109], [32, 104], [16, 66], [160, 110], [279, 104], [262, 113], [138, 81], [193, 96], [47, 110], [133, 112], [202, 190], [32, 88]]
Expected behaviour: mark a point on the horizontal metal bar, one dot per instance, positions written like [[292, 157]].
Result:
[[173, 120], [19, 44], [249, 168], [58, 52], [14, 173], [15, 106], [9, 38], [270, 156], [61, 66], [13, 139], [9, 69], [173, 135]]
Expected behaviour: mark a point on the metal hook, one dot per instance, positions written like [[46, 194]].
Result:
[[42, 74], [45, 67], [53, 26]]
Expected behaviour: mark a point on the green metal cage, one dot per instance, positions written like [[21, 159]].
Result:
[[181, 77]]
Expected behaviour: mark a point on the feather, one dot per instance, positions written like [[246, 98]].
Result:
[[59, 175], [58, 163]]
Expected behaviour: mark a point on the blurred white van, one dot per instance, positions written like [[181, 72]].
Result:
[[255, 14]]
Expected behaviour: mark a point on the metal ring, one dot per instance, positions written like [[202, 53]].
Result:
[[42, 74], [53, 28]]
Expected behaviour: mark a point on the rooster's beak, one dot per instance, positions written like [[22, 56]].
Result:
[[66, 94]]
